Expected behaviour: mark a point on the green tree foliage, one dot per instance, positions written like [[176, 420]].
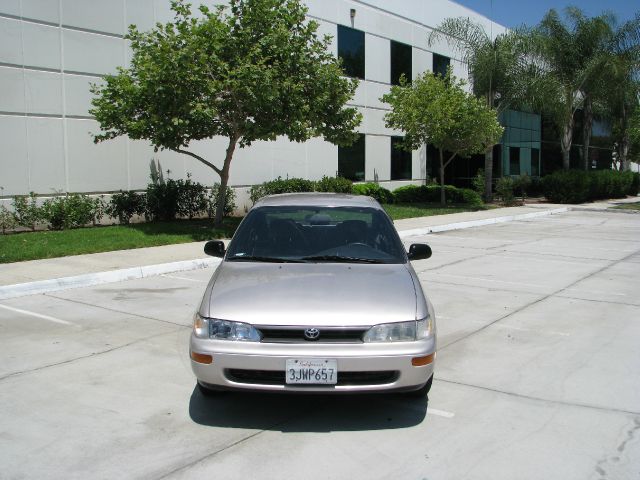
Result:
[[252, 70], [495, 67], [441, 112]]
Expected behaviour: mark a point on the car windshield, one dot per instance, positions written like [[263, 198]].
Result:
[[316, 234]]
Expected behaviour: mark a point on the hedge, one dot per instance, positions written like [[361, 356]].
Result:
[[431, 194], [577, 186]]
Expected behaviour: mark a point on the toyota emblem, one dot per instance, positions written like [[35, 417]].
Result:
[[311, 333]]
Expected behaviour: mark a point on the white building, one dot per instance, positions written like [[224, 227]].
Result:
[[51, 50]]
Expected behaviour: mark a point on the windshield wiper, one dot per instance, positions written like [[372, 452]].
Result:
[[257, 258], [340, 259]]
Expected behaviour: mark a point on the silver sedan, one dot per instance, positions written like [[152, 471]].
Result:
[[315, 294]]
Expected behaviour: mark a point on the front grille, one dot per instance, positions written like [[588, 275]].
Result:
[[277, 377], [278, 334]]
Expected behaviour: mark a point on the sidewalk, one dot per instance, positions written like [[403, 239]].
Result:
[[39, 276]]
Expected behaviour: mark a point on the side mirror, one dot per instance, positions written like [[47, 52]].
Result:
[[215, 248], [419, 251]]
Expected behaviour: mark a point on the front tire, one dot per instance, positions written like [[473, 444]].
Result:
[[423, 392]]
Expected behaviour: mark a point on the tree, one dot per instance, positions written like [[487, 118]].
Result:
[[494, 66], [439, 111], [622, 103], [252, 70], [566, 60]]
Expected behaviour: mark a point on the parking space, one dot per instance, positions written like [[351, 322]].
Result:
[[536, 375]]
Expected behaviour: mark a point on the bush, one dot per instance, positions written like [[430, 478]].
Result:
[[634, 188], [26, 212], [478, 182], [576, 186], [334, 184], [69, 211], [505, 187], [229, 201], [280, 185], [125, 205], [7, 220], [571, 186], [431, 194], [522, 186], [374, 190], [192, 198]]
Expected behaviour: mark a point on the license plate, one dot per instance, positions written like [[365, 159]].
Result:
[[312, 371]]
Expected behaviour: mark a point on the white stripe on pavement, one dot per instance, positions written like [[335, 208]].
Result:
[[37, 315]]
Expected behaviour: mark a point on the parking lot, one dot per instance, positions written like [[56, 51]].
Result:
[[537, 375]]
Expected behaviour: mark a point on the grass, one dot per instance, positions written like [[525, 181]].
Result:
[[50, 244], [17, 247], [628, 206], [398, 211]]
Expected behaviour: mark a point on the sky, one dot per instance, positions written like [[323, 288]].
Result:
[[512, 13]]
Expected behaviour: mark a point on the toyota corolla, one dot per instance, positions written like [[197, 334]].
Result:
[[315, 293]]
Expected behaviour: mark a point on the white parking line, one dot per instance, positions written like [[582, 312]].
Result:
[[37, 315], [176, 277], [440, 413]]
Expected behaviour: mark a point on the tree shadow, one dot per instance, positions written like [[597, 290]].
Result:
[[307, 413]]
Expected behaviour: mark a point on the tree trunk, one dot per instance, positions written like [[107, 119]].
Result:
[[586, 130], [488, 175], [623, 146], [224, 180], [565, 143], [442, 199]]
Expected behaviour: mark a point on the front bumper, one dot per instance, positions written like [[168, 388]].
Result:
[[364, 367]]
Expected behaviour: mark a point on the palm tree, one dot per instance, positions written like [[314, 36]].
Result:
[[623, 72], [494, 65]]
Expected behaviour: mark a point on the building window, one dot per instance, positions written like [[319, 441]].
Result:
[[514, 161], [400, 62], [351, 51], [440, 64], [535, 162], [400, 161], [351, 161]]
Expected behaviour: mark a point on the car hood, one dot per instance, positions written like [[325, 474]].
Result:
[[311, 293]]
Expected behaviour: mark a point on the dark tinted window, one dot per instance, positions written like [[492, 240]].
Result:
[[440, 64], [400, 161], [351, 51], [351, 161], [535, 162], [400, 62], [514, 161], [316, 234]]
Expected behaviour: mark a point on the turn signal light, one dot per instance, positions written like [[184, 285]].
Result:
[[201, 358], [421, 361]]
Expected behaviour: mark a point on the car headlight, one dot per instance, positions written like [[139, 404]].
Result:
[[400, 331], [224, 330]]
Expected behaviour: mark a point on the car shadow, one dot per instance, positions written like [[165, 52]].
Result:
[[306, 413]]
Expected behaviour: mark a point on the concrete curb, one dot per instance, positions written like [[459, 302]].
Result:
[[479, 223], [98, 278]]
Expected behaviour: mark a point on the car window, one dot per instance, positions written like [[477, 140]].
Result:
[[316, 234]]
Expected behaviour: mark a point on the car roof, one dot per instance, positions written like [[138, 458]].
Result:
[[317, 199]]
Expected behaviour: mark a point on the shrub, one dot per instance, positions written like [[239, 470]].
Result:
[[374, 190], [571, 186], [635, 185], [7, 219], [192, 198], [522, 185], [505, 187], [27, 213], [478, 182], [68, 211], [280, 185], [163, 200], [125, 205], [334, 184], [431, 194], [229, 201]]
